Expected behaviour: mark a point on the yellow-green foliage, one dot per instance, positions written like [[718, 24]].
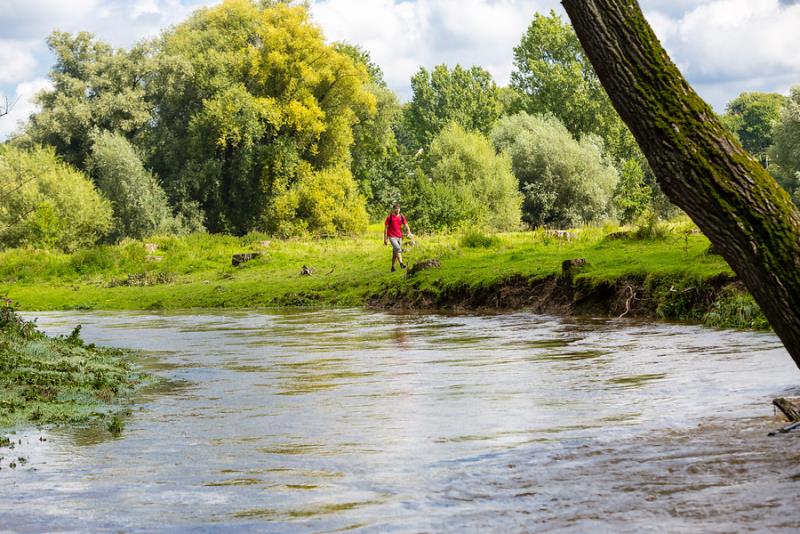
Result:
[[269, 109], [46, 203]]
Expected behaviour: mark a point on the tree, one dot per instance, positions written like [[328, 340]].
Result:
[[565, 182], [786, 151], [377, 165], [553, 75], [94, 88], [5, 107], [46, 203], [700, 165], [468, 97], [140, 205], [752, 117], [251, 104], [466, 182]]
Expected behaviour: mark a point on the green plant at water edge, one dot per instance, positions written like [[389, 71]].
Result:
[[57, 380], [736, 310]]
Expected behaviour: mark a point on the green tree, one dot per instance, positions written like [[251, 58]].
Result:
[[785, 152], [468, 97], [377, 165], [633, 194], [46, 203], [252, 102], [466, 183], [553, 75], [752, 117], [565, 182], [94, 88], [140, 204]]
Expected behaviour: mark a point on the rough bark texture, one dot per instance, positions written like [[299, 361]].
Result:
[[703, 169]]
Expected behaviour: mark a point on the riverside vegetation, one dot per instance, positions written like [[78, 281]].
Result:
[[48, 380], [661, 270]]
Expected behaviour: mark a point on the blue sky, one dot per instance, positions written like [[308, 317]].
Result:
[[724, 47]]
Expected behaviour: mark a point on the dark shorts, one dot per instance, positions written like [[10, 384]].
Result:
[[397, 244]]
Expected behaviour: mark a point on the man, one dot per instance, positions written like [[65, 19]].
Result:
[[393, 233]]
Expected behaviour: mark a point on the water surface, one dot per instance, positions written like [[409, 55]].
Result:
[[321, 421]]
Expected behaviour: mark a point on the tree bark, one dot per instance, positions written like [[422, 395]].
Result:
[[701, 167]]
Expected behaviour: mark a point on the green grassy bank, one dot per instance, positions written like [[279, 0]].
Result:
[[666, 274], [48, 380]]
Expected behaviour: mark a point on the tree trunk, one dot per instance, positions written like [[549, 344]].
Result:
[[698, 163]]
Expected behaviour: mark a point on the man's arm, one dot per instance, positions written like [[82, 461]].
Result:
[[408, 230], [386, 234]]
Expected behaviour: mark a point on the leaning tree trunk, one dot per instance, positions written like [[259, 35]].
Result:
[[700, 165]]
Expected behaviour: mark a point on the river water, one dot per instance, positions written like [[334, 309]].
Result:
[[333, 420]]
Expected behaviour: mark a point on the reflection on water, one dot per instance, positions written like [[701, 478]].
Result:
[[335, 420]]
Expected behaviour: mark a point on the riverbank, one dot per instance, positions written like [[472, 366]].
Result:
[[55, 380], [667, 274]]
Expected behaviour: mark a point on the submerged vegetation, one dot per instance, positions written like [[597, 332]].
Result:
[[48, 380]]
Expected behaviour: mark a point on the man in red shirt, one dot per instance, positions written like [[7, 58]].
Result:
[[393, 233]]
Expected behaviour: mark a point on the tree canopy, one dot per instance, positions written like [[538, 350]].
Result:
[[786, 150], [553, 75], [46, 203], [464, 182], [565, 182], [468, 97], [752, 117]]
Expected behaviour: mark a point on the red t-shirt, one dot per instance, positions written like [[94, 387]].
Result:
[[394, 225]]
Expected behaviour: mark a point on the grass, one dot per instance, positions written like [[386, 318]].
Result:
[[48, 380], [197, 269]]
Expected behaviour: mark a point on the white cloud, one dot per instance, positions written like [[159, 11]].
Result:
[[23, 105], [402, 36], [17, 59], [740, 40]]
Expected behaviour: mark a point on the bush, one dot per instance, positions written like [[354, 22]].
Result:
[[323, 202], [140, 204], [466, 183], [648, 226], [48, 204], [737, 310], [566, 183], [476, 239]]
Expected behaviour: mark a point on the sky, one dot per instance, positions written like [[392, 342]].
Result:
[[723, 47]]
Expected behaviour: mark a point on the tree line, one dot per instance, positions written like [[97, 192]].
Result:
[[242, 118]]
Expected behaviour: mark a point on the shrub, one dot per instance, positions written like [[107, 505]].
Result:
[[648, 226], [466, 182], [737, 310], [46, 203], [477, 239], [566, 183], [140, 204], [324, 202]]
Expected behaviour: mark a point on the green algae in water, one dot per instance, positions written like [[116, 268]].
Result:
[[46, 380]]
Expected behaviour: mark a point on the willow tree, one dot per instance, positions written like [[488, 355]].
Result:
[[699, 164]]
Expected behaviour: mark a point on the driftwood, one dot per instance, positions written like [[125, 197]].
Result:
[[243, 257], [422, 265], [791, 413]]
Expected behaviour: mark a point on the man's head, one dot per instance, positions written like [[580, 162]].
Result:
[[396, 209]]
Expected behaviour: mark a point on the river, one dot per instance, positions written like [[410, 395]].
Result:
[[333, 420]]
